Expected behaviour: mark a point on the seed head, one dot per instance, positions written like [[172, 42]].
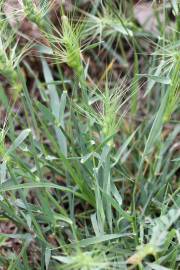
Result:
[[10, 58], [36, 13], [66, 45]]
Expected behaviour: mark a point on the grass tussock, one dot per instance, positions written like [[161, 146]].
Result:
[[89, 136]]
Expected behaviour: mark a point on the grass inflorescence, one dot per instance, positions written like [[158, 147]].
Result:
[[10, 57]]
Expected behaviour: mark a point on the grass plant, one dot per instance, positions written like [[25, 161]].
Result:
[[89, 139]]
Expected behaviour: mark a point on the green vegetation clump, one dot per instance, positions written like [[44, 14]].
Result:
[[89, 136]]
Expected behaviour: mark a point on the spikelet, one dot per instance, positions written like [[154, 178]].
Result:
[[111, 105], [66, 45], [169, 56], [10, 59], [71, 43], [106, 111], [109, 23], [36, 13]]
